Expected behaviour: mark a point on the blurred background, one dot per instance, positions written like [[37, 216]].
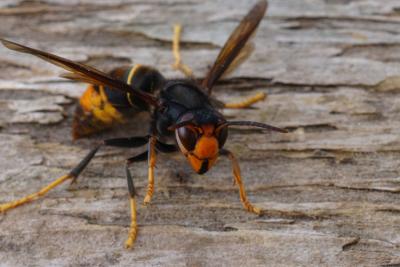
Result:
[[331, 72]]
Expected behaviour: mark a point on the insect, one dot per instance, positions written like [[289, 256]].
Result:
[[181, 110]]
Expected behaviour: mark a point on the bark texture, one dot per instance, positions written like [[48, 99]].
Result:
[[331, 69]]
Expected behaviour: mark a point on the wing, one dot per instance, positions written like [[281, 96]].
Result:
[[235, 43], [244, 54], [83, 72]]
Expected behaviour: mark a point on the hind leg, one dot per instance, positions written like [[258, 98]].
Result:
[[178, 65], [72, 175], [75, 172]]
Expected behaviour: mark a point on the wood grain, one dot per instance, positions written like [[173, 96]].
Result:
[[329, 189]]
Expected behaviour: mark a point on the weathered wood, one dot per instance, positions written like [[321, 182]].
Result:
[[329, 188]]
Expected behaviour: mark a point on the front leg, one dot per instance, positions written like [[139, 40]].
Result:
[[238, 179], [151, 157]]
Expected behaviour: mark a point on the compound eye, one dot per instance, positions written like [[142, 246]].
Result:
[[187, 137], [222, 134]]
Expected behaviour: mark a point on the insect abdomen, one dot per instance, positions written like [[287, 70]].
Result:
[[101, 108]]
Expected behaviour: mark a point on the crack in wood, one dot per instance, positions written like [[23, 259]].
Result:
[[351, 243], [330, 69]]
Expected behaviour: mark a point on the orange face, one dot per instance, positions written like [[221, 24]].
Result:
[[200, 145]]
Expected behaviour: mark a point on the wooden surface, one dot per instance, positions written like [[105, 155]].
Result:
[[329, 188]]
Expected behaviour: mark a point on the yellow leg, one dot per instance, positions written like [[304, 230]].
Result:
[[133, 228], [6, 206], [178, 65], [247, 102], [151, 165], [73, 175], [243, 197]]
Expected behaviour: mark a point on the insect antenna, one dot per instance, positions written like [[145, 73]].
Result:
[[255, 124]]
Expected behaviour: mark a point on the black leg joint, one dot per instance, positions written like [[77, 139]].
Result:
[[131, 186], [138, 158], [166, 148], [81, 166], [131, 142]]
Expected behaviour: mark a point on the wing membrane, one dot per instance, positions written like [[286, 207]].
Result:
[[244, 54], [235, 43], [82, 72]]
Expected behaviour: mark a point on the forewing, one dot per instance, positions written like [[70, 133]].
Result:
[[244, 54], [84, 72], [81, 78], [235, 43]]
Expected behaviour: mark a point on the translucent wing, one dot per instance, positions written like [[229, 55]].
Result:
[[235, 43], [82, 72], [244, 54]]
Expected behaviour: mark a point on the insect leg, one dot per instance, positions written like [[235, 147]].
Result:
[[133, 229], [153, 146], [75, 172], [151, 164], [166, 148], [130, 142], [236, 173], [178, 65], [71, 175], [127, 142], [245, 103]]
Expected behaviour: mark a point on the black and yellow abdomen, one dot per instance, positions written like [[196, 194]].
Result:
[[101, 108]]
